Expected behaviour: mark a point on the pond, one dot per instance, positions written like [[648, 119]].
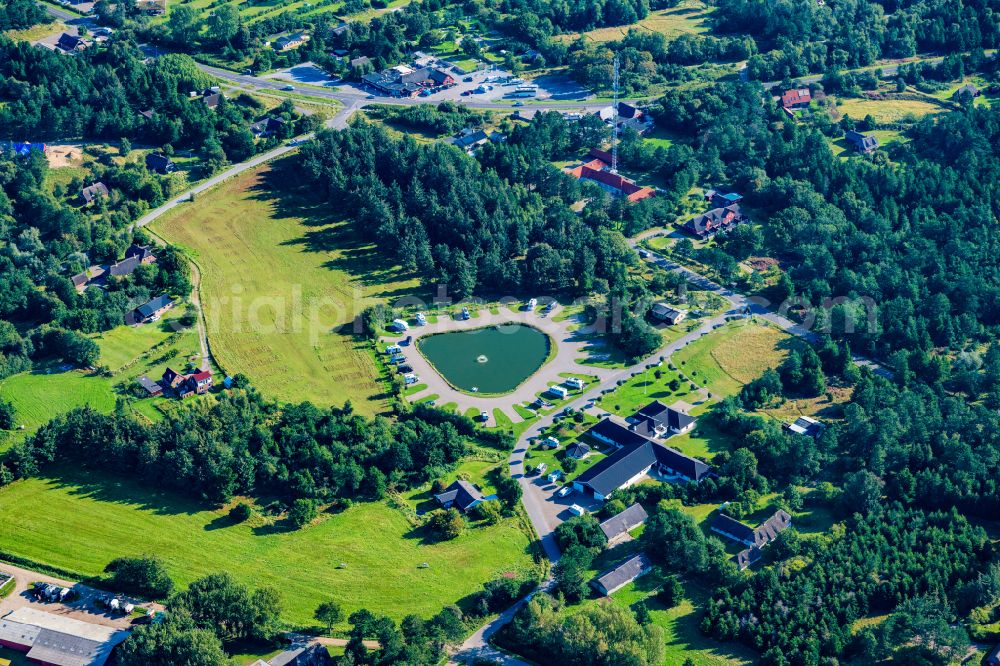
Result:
[[487, 360]]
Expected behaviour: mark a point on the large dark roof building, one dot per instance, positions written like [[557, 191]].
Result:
[[56, 640], [404, 81], [863, 143], [153, 307], [636, 457]]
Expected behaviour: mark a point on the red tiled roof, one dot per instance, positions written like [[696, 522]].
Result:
[[618, 182], [795, 96], [201, 375]]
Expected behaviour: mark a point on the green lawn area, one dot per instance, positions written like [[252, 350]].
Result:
[[644, 388], [688, 17], [46, 392], [279, 279], [886, 111], [733, 355], [122, 345], [82, 522]]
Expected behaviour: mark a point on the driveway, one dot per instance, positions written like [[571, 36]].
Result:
[[570, 346], [81, 608]]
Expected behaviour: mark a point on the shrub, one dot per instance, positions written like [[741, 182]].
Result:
[[145, 576], [240, 512], [303, 512]]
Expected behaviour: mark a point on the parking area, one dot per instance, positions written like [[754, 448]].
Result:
[[80, 604], [306, 73], [557, 509]]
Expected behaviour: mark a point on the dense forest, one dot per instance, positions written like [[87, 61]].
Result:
[[243, 444], [21, 14]]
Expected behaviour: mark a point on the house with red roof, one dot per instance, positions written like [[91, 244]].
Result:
[[599, 171], [796, 98]]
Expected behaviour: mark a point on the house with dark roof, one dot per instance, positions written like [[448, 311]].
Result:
[[658, 420], [628, 116], [160, 163], [153, 389], [267, 127], [461, 495], [171, 379], [796, 98], [292, 41], [617, 527], [615, 579], [360, 62], [578, 450], [863, 143], [152, 309], [968, 90], [92, 193], [70, 43], [805, 425], [212, 99], [635, 458], [667, 314], [714, 221], [754, 537], [723, 199], [469, 140]]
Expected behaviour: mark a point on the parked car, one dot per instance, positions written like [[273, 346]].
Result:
[[404, 369], [518, 103], [289, 88], [467, 79], [564, 491], [483, 416], [577, 510]]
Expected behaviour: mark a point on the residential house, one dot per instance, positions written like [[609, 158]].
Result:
[[292, 41], [135, 256], [598, 171], [212, 98], [91, 193], [152, 309], [615, 579], [754, 537], [153, 389], [805, 425], [658, 420], [635, 458], [339, 30], [152, 7], [199, 382], [469, 140], [714, 221], [863, 143], [968, 90], [628, 116], [313, 654], [461, 495], [722, 199], [160, 163], [578, 450], [171, 379], [267, 127], [58, 640], [617, 527], [796, 98], [70, 43], [667, 314]]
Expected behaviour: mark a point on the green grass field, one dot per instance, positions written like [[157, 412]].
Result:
[[688, 17], [279, 279], [46, 392], [886, 111], [122, 345], [82, 523], [729, 357]]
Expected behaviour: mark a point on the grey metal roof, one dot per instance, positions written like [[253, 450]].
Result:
[[461, 494], [18, 633], [54, 647], [621, 523], [623, 574]]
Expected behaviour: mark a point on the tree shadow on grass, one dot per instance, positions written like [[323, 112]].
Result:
[[329, 229], [95, 485]]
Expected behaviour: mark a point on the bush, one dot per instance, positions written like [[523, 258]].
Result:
[[240, 512], [144, 576], [446, 524], [303, 512]]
